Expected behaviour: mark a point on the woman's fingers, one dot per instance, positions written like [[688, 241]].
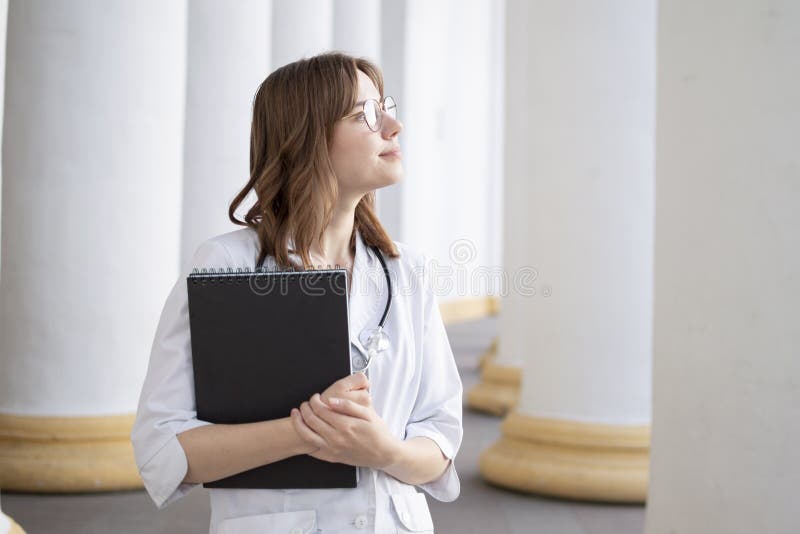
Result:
[[324, 412], [305, 432], [348, 383], [348, 407], [361, 397], [357, 380], [315, 422]]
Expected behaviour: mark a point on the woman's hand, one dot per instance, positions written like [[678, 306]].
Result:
[[354, 387], [345, 432]]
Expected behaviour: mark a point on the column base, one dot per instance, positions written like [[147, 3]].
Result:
[[468, 309], [67, 454], [570, 459], [498, 390], [488, 355], [13, 527]]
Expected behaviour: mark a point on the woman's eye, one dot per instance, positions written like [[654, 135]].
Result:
[[361, 117]]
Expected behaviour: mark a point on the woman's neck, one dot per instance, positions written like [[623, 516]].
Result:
[[334, 247]]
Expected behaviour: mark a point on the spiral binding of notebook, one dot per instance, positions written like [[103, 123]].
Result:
[[239, 274]]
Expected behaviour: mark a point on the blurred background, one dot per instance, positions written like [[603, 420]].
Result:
[[609, 188]]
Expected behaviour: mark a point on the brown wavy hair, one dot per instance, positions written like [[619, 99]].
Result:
[[294, 112]]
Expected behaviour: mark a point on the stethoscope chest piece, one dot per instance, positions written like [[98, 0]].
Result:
[[375, 342]]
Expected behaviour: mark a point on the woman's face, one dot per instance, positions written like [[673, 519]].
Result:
[[360, 157]]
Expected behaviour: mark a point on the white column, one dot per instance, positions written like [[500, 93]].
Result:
[[726, 369], [389, 200], [357, 27], [300, 28], [91, 230], [578, 248], [448, 102], [228, 57]]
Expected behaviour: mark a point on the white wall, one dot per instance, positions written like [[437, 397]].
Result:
[[300, 28], [357, 27], [726, 365], [3, 22]]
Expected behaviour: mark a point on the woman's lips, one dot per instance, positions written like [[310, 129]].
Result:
[[392, 154]]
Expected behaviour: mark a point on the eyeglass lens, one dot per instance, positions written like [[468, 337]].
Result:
[[373, 115]]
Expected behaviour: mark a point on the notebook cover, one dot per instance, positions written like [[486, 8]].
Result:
[[262, 344]]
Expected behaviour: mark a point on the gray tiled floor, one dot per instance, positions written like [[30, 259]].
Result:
[[481, 508]]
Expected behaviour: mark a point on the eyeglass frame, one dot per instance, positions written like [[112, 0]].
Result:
[[381, 106]]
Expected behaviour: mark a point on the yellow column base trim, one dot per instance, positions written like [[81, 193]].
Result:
[[498, 390], [570, 459], [488, 355], [469, 309], [14, 528], [67, 454]]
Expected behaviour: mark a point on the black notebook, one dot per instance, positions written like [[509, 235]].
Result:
[[264, 342]]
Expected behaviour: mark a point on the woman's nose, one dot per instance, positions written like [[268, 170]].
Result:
[[391, 126]]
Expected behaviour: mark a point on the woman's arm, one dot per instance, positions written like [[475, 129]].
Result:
[[436, 414], [419, 460], [217, 451], [347, 432]]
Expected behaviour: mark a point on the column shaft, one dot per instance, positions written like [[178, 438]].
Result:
[[726, 367], [578, 249], [93, 133]]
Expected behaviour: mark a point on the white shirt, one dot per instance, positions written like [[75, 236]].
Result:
[[415, 388]]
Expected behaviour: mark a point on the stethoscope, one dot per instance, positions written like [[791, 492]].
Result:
[[374, 340]]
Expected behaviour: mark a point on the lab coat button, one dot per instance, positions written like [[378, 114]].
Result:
[[361, 521], [297, 530], [404, 515]]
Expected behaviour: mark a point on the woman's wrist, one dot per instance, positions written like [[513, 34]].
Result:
[[394, 454], [299, 445], [418, 460]]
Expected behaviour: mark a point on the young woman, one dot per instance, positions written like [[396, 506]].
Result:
[[323, 139]]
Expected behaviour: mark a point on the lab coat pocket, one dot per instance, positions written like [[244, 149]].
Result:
[[412, 511], [298, 522]]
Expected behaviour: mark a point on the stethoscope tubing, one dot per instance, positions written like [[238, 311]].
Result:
[[388, 286]]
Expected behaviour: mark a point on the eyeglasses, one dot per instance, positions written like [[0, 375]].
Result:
[[372, 112]]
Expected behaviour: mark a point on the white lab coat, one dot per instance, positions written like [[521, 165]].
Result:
[[415, 387]]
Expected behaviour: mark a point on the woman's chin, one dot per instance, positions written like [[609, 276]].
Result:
[[390, 178], [395, 178]]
